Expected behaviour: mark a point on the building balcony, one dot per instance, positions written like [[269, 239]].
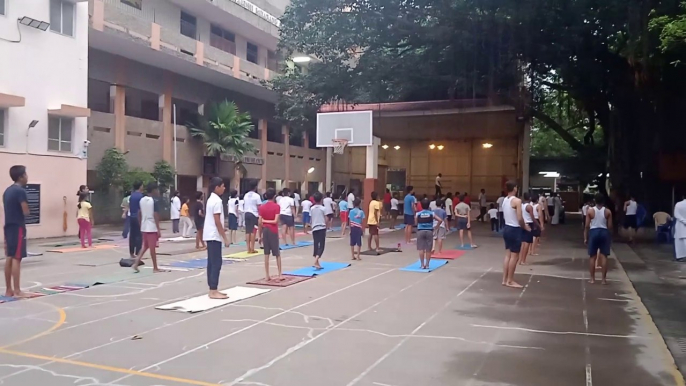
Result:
[[126, 31]]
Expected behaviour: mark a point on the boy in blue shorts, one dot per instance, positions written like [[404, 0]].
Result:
[[356, 218], [598, 236]]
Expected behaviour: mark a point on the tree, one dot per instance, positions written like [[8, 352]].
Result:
[[112, 168], [134, 175], [164, 174], [224, 132]]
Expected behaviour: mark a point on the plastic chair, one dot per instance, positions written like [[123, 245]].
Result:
[[666, 231]]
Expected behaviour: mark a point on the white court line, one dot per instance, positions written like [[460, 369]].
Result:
[[587, 348], [560, 332], [428, 320], [616, 300], [206, 345]]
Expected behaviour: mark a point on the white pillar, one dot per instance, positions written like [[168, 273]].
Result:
[[329, 165], [198, 184], [526, 154], [372, 159]]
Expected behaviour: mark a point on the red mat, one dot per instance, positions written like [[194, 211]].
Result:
[[448, 254], [287, 281]]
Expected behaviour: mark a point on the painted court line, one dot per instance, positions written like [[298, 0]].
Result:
[[560, 332], [206, 345], [428, 320]]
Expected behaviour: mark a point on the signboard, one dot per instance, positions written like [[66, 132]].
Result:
[[33, 198], [246, 159], [258, 11]]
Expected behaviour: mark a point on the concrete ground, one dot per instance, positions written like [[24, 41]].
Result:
[[369, 325]]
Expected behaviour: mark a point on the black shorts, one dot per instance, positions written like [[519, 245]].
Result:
[[630, 221], [329, 216], [270, 241], [250, 222], [233, 222], [513, 238], [528, 236], [15, 238], [287, 220], [199, 223]]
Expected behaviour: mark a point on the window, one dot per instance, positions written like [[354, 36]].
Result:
[[189, 25], [2, 123], [2, 7], [138, 4], [59, 133], [222, 39], [62, 17], [252, 53], [272, 61]]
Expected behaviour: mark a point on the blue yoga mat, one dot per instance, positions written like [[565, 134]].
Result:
[[7, 299], [400, 226], [434, 264], [299, 244], [194, 264], [465, 248], [298, 225], [241, 244], [326, 268], [335, 229]]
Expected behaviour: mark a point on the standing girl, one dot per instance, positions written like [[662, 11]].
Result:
[[84, 216], [319, 222], [186, 222], [175, 211]]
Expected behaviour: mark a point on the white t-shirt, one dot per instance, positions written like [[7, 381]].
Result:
[[327, 205], [296, 198], [394, 203], [241, 206], [449, 206], [493, 213], [351, 200], [482, 199], [438, 180], [147, 205], [632, 208], [432, 205], [214, 206], [232, 205], [307, 204], [252, 202], [499, 201], [286, 203], [175, 210], [278, 199]]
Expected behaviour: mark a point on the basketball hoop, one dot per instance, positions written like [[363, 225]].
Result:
[[339, 145]]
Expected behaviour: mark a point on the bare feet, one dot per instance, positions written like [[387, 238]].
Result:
[[592, 281], [604, 282], [513, 284], [135, 268], [20, 294], [9, 293], [214, 294]]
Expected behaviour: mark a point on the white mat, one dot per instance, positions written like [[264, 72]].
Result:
[[204, 303], [178, 239]]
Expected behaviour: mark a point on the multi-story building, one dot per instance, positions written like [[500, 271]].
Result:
[[44, 106], [149, 58]]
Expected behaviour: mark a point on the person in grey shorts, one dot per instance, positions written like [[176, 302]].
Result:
[[269, 228], [424, 220]]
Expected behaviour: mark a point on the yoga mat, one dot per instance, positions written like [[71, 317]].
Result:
[[434, 264], [68, 244], [122, 276], [240, 244], [326, 268], [287, 281], [400, 226], [30, 254], [465, 248], [194, 264], [178, 239], [448, 254], [241, 255], [299, 244], [335, 229], [204, 303], [7, 299], [79, 249], [170, 268], [177, 252], [372, 252]]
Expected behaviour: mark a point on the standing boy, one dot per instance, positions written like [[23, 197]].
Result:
[[501, 219], [343, 207], [598, 236], [482, 206], [356, 218], [252, 202], [527, 235], [464, 221], [493, 215], [409, 212], [424, 219], [512, 233], [287, 216], [327, 202], [135, 237], [16, 206], [149, 220], [232, 205], [306, 204], [448, 210], [215, 235], [440, 230], [373, 221], [318, 229], [269, 228]]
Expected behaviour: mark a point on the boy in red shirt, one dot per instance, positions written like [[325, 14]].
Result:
[[269, 228]]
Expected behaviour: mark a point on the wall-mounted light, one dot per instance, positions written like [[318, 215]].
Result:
[[301, 59], [487, 145], [310, 170], [396, 147], [31, 22], [440, 147], [432, 146], [384, 147]]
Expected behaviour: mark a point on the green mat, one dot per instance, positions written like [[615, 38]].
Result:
[[115, 278]]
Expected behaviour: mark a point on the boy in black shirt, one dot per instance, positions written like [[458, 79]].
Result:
[[16, 210]]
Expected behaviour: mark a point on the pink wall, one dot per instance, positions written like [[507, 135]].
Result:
[[59, 177]]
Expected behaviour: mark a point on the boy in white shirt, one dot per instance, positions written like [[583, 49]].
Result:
[[215, 234], [394, 210], [149, 219], [328, 210], [493, 215], [306, 204], [287, 216]]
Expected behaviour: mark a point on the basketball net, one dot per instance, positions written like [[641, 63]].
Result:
[[339, 145]]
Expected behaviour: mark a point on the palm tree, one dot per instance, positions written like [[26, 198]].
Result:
[[224, 131]]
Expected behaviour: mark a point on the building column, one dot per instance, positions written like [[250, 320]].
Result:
[[371, 173], [526, 152], [118, 108], [165, 103], [262, 130], [286, 155]]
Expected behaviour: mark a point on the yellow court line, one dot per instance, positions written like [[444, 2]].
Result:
[[108, 368], [60, 322]]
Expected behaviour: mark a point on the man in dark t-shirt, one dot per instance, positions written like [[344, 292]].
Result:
[[135, 236], [16, 209]]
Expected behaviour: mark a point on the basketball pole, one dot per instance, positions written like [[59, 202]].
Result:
[[329, 166]]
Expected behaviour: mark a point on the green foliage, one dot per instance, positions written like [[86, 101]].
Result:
[[164, 174], [133, 175], [224, 130], [112, 168]]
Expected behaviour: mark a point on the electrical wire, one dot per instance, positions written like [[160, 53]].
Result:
[[14, 41]]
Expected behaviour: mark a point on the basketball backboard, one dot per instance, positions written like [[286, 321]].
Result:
[[354, 126]]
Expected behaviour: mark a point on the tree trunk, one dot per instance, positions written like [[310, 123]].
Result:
[[237, 176]]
